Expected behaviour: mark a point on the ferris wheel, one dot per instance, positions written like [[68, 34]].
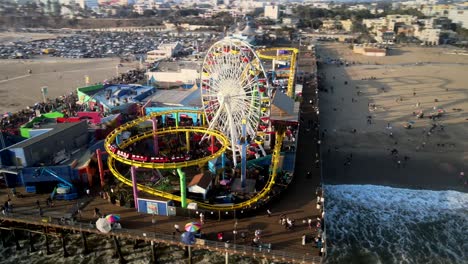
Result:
[[235, 91]]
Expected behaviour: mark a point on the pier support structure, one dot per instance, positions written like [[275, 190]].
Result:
[[31, 242], [64, 245], [154, 259], [85, 243], [3, 236], [155, 137], [134, 185], [183, 188], [118, 252], [15, 237], [48, 252]]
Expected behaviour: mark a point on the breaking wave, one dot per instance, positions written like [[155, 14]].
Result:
[[377, 224]]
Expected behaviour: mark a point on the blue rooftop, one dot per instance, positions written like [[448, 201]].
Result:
[[117, 95]]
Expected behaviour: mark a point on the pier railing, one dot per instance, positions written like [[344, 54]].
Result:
[[37, 224]]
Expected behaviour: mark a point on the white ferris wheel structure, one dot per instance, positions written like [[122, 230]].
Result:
[[235, 92]]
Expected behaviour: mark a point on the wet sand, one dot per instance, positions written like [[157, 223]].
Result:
[[415, 75], [19, 89]]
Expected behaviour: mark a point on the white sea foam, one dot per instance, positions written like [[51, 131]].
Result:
[[378, 224]]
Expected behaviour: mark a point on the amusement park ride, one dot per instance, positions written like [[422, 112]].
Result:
[[235, 117]]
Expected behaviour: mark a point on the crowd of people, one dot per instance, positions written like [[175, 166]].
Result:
[[65, 104], [130, 77]]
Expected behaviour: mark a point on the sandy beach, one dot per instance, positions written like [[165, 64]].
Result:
[[19, 89], [389, 89]]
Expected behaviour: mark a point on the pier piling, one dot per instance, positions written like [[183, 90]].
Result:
[[64, 246], [31, 242], [15, 237], [85, 243], [118, 252], [48, 252], [153, 253], [135, 244], [188, 254], [4, 242]]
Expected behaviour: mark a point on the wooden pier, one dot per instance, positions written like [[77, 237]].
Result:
[[30, 225]]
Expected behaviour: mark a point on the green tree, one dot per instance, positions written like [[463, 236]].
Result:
[[148, 13]]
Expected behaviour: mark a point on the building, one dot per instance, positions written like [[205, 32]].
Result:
[[164, 51], [87, 4], [428, 36], [272, 12], [369, 51], [290, 22], [347, 25], [376, 24], [331, 24], [200, 183], [459, 15], [395, 20], [407, 30], [118, 98], [435, 10], [51, 147], [183, 72]]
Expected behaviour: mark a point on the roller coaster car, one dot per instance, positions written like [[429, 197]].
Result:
[[124, 155], [180, 158], [113, 148], [159, 159], [245, 59], [139, 158]]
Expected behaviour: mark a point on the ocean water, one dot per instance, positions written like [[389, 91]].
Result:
[[378, 224]]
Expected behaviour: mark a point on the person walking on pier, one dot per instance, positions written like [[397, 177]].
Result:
[[96, 212], [202, 218]]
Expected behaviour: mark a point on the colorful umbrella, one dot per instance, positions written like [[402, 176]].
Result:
[[192, 227], [112, 218], [103, 225]]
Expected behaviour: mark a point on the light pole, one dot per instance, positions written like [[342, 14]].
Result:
[[234, 232], [44, 94]]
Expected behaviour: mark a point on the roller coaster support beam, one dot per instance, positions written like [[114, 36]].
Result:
[[243, 142], [134, 185], [187, 140], [155, 137], [275, 158], [183, 188], [177, 120], [100, 167], [223, 164], [292, 74], [212, 145]]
